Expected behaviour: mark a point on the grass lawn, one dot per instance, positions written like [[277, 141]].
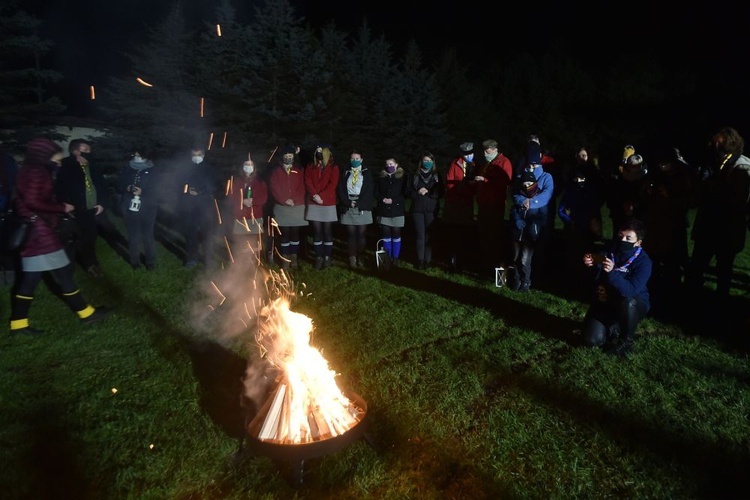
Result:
[[472, 391]]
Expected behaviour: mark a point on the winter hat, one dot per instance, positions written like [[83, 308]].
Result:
[[467, 147], [40, 150], [289, 149], [533, 153]]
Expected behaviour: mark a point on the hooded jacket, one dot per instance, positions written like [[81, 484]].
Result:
[[35, 198]]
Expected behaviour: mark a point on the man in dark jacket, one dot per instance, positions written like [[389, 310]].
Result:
[[199, 185], [83, 186]]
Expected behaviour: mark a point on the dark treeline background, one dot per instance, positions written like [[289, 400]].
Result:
[[274, 78]]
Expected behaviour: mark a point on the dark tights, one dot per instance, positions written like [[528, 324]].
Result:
[[355, 240]]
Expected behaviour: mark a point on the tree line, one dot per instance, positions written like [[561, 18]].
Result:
[[275, 79]]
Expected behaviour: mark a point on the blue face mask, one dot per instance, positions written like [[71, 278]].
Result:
[[355, 163], [427, 165]]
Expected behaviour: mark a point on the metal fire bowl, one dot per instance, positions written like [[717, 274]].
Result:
[[314, 449]]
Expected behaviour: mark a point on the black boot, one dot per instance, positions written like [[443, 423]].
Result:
[[318, 263]]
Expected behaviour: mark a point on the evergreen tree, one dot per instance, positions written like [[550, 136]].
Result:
[[156, 107], [463, 101], [221, 75], [286, 71], [410, 109], [366, 72], [26, 110]]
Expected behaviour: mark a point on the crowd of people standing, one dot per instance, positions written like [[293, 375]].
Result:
[[480, 213]]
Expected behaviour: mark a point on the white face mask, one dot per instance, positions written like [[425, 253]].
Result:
[[138, 159], [197, 159], [469, 157], [248, 169], [490, 156]]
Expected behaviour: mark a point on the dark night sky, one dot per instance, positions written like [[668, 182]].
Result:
[[91, 37]]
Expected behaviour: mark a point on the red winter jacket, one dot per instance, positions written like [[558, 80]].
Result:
[[285, 186], [493, 191], [322, 181], [259, 196]]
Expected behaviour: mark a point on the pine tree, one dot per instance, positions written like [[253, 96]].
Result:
[[156, 108], [410, 108], [26, 110], [286, 72]]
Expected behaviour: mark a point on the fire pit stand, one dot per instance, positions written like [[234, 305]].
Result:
[[295, 454]]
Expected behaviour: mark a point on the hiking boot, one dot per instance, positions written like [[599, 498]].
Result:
[[394, 263], [318, 263], [100, 313], [295, 263], [524, 287], [421, 265], [327, 261], [620, 349], [34, 332], [353, 262]]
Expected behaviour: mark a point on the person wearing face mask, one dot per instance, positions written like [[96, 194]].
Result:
[[458, 223], [621, 297], [287, 187], [199, 186], [356, 197], [669, 197], [493, 182], [82, 185], [529, 219], [138, 187], [426, 189], [390, 194], [43, 251], [720, 226], [321, 180], [248, 194], [580, 212]]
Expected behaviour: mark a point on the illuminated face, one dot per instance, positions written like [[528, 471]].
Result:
[[583, 155], [629, 236], [84, 149]]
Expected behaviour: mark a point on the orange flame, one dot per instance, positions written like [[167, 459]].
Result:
[[92, 92], [143, 82], [218, 29], [308, 404]]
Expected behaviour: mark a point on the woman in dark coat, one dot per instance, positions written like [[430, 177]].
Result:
[[35, 201], [390, 194], [425, 189]]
